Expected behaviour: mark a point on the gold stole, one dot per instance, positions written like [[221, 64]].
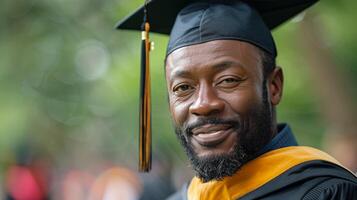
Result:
[[255, 173]]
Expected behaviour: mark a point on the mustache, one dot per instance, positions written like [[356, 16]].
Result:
[[187, 129]]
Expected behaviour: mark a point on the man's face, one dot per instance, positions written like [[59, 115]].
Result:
[[219, 103]]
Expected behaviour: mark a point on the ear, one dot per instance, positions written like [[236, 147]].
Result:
[[275, 85]]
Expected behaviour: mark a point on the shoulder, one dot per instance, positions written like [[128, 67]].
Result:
[[176, 196], [180, 194], [333, 188], [315, 179]]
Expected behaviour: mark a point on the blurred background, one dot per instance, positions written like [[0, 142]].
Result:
[[69, 94]]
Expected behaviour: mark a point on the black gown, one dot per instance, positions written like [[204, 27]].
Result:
[[308, 181], [313, 179]]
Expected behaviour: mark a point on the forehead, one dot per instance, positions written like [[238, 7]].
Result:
[[215, 52]]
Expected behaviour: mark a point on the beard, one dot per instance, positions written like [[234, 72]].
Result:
[[254, 132]]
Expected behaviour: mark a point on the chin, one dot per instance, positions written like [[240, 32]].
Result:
[[217, 163], [213, 152]]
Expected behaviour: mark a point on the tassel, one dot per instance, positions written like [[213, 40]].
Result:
[[145, 101]]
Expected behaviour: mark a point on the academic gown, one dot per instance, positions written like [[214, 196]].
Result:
[[281, 170]]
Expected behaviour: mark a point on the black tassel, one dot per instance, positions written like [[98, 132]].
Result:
[[145, 102]]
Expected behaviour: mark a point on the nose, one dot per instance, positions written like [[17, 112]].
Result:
[[207, 102]]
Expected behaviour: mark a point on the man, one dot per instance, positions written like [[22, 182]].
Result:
[[223, 87]]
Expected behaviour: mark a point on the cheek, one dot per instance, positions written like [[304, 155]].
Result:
[[243, 101], [179, 111]]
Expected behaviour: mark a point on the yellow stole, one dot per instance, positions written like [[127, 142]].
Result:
[[255, 173]]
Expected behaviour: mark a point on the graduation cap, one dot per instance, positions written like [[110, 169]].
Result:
[[190, 22]]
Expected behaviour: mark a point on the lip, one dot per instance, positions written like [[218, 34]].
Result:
[[211, 135]]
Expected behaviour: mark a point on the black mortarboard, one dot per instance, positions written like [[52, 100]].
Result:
[[190, 22]]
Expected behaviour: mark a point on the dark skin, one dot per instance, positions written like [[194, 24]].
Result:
[[221, 79]]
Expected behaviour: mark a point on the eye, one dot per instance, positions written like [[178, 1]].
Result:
[[182, 89], [229, 82]]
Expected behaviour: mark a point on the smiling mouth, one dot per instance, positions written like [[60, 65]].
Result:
[[211, 135]]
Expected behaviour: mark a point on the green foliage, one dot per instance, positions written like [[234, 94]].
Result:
[[70, 82]]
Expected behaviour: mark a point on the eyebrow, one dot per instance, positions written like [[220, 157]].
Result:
[[216, 67], [225, 65], [180, 73]]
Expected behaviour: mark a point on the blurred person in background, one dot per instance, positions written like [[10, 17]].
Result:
[[158, 183], [76, 185], [28, 178], [116, 183]]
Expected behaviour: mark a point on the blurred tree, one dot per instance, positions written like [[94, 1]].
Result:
[[333, 87]]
